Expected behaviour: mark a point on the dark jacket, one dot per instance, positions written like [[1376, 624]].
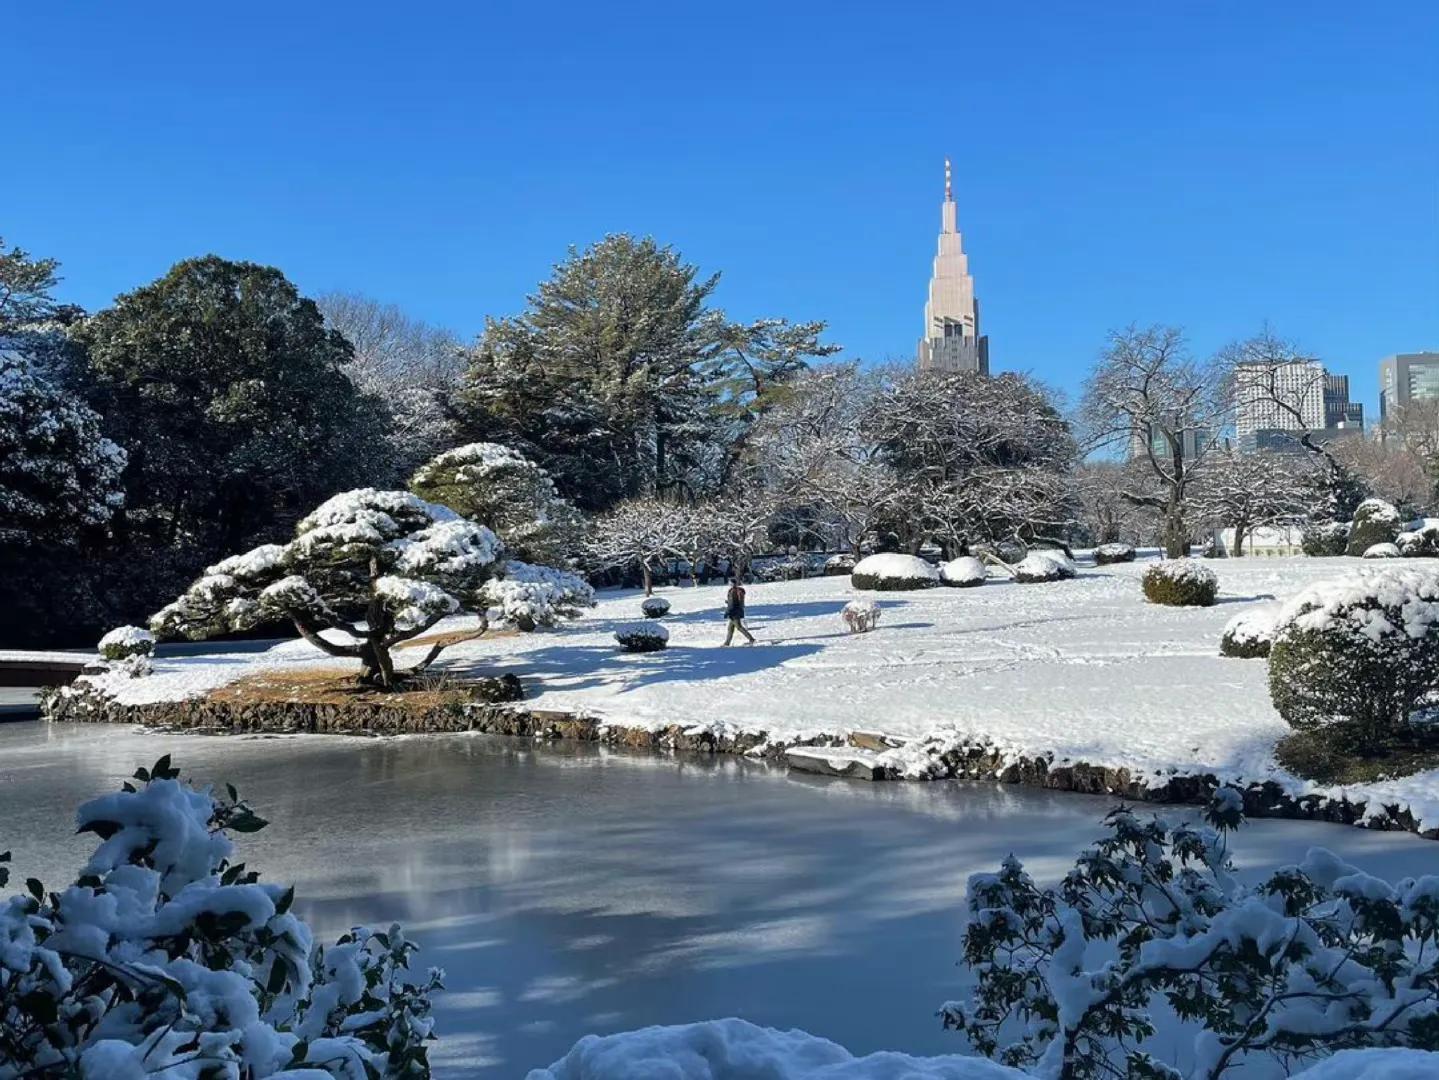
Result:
[[734, 602]]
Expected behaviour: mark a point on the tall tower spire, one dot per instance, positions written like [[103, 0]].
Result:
[[952, 341]]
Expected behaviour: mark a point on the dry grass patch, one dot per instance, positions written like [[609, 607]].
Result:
[[340, 686], [454, 637]]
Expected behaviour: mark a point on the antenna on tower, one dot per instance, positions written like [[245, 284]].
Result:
[[948, 183]]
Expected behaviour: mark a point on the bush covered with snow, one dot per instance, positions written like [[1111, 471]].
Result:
[[1105, 554], [838, 565], [892, 572], [642, 637], [380, 567], [1362, 649], [1042, 566], [166, 958], [656, 607], [1180, 583], [738, 1050], [1318, 958], [1420, 540], [1375, 522], [860, 616], [126, 641], [1381, 551], [508, 492], [964, 572], [1250, 633], [1330, 538]]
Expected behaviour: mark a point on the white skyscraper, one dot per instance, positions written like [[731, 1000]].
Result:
[[952, 341], [1259, 390]]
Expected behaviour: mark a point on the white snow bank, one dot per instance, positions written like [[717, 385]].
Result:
[[892, 565], [1381, 551], [738, 1050], [1390, 1063]]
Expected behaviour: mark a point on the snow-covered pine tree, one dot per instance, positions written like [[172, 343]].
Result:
[[380, 567], [509, 492]]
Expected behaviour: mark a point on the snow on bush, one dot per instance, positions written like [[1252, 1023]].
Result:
[[380, 567], [166, 958], [1382, 551], [509, 493], [892, 572], [1106, 554], [1318, 958], [1042, 566], [1375, 522], [125, 641], [1250, 633], [656, 607], [1362, 648], [1331, 538], [1390, 1063], [642, 637], [838, 565], [1420, 540], [738, 1050], [1180, 583], [860, 616], [964, 572]]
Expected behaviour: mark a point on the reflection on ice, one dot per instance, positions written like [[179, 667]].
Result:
[[569, 889]]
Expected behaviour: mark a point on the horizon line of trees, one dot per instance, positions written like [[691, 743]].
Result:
[[207, 411]]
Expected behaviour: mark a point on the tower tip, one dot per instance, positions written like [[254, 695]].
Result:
[[948, 182]]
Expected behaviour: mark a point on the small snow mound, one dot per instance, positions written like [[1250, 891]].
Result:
[[738, 1050], [1251, 632], [642, 637], [1386, 1063], [1042, 566], [1382, 551], [963, 571], [126, 641]]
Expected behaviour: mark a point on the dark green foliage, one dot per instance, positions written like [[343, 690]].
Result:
[[641, 639], [890, 584], [1420, 543], [1329, 538], [1375, 522], [1180, 583], [1344, 753]]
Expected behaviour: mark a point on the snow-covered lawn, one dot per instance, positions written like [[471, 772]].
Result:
[[1084, 669]]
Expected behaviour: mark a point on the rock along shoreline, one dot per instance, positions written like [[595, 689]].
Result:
[[869, 760]]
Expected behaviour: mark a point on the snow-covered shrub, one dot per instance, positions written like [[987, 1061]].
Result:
[[1330, 538], [892, 572], [166, 958], [1042, 566], [508, 492], [125, 641], [1105, 554], [380, 567], [963, 573], [656, 607], [1318, 958], [794, 568], [838, 565], [1420, 540], [1250, 633], [1381, 551], [860, 616], [1362, 648], [642, 637], [1375, 522], [1180, 583]]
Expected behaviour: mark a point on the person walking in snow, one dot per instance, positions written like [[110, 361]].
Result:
[[734, 612]]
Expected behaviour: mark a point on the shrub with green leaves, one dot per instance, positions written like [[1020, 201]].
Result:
[[1329, 538], [1105, 554], [126, 641], [642, 637], [1250, 634], [1043, 566], [893, 572], [1375, 522], [1420, 540], [1362, 650], [1318, 958], [1180, 583], [167, 958]]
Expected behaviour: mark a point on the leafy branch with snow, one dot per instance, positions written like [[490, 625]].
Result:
[[1318, 958], [167, 958]]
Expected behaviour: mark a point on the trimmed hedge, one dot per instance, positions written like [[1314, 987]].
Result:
[[1331, 538], [1180, 583], [964, 572], [892, 572], [1106, 554], [1040, 567], [1250, 634], [642, 637], [656, 607], [1375, 522]]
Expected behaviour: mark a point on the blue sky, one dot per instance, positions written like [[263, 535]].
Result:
[[1208, 164]]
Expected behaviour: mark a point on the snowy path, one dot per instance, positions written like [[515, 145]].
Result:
[[1082, 669]]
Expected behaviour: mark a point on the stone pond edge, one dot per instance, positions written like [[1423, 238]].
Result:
[[941, 759]]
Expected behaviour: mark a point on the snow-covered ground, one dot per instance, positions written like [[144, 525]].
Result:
[[1084, 669]]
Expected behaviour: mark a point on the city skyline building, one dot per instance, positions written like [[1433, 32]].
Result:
[[1406, 377], [952, 341]]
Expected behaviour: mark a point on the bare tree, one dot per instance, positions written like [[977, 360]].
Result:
[[1107, 516], [642, 532], [1148, 397], [1247, 491]]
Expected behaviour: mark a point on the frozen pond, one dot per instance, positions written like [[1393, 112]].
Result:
[[569, 889]]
